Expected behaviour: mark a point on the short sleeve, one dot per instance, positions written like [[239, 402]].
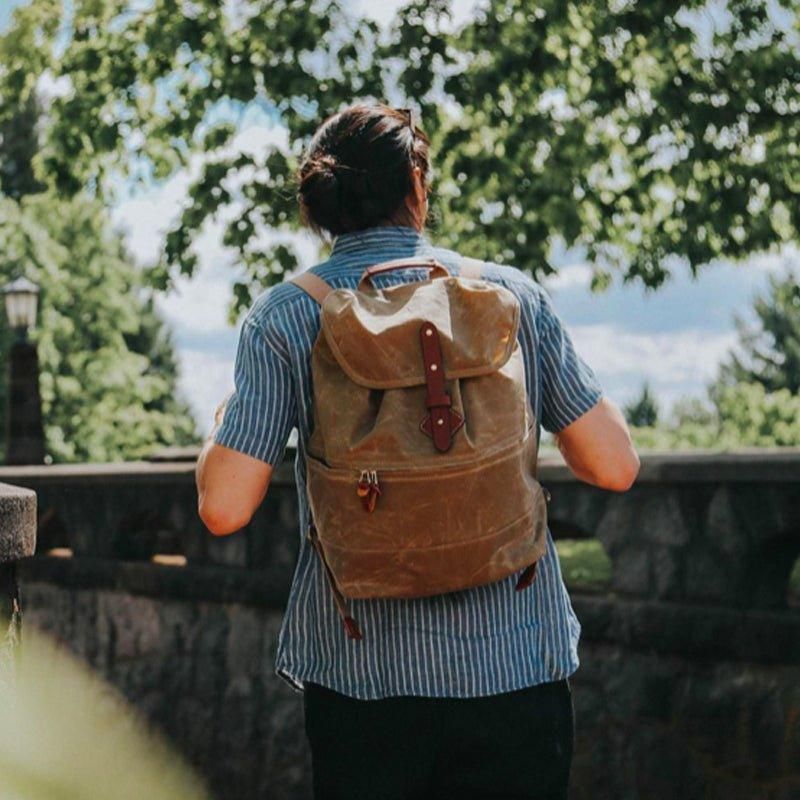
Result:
[[569, 386], [262, 410]]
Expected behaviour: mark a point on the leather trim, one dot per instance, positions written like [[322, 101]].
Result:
[[440, 421], [456, 421], [350, 625], [403, 263], [526, 579]]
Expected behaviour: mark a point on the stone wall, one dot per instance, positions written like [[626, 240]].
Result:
[[689, 684], [17, 540]]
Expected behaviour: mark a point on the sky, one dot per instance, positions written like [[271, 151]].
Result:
[[673, 338]]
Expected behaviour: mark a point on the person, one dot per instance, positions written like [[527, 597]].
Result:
[[464, 694]]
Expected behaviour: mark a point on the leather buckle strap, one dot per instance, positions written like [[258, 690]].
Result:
[[441, 421]]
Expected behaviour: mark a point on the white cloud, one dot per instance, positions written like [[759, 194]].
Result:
[[196, 309], [197, 305], [383, 11], [573, 276], [255, 140], [49, 88], [674, 363], [681, 356], [776, 263], [145, 218], [205, 380]]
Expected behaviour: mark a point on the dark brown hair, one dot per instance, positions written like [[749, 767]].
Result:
[[357, 170]]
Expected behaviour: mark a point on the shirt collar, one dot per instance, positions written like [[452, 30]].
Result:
[[378, 237]]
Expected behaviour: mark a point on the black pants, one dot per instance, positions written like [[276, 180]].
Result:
[[513, 746]]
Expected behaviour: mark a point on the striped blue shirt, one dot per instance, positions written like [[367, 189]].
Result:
[[475, 642]]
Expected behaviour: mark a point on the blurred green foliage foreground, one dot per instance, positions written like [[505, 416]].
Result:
[[65, 735]]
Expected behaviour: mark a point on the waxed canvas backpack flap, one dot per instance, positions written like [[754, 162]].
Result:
[[369, 333]]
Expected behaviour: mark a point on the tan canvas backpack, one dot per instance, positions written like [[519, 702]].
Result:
[[422, 460]]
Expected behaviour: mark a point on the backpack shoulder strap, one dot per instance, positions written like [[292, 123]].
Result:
[[312, 285], [470, 268]]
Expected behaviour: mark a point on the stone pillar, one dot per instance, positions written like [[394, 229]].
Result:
[[17, 540], [24, 432]]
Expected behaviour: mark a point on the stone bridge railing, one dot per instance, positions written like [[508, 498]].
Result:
[[17, 541], [722, 529], [689, 677]]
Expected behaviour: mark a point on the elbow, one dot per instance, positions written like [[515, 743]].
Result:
[[220, 521], [623, 476]]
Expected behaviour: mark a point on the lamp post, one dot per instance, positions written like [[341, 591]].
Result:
[[23, 423]]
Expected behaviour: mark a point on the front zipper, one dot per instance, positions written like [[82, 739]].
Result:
[[463, 463]]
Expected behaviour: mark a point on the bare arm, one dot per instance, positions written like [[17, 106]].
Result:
[[598, 449], [250, 433], [230, 485]]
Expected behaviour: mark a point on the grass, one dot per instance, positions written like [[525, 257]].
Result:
[[584, 564]]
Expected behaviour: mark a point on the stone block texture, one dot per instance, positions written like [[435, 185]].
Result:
[[689, 684]]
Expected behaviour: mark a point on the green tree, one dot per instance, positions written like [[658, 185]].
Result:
[[743, 415], [107, 369], [769, 353], [17, 149], [52, 239], [601, 124], [643, 411], [755, 399], [606, 124]]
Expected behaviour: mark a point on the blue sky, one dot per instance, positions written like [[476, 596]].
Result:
[[674, 338]]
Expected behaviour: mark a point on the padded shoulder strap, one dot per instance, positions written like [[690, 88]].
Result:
[[312, 285], [470, 268]]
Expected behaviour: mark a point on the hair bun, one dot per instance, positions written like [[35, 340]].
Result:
[[357, 171], [327, 164]]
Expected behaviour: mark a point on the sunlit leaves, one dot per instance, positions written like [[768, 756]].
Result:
[[621, 135], [650, 134]]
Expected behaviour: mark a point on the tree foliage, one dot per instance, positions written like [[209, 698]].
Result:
[[600, 124], [755, 399], [107, 370], [741, 415], [769, 352], [608, 125], [643, 411]]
